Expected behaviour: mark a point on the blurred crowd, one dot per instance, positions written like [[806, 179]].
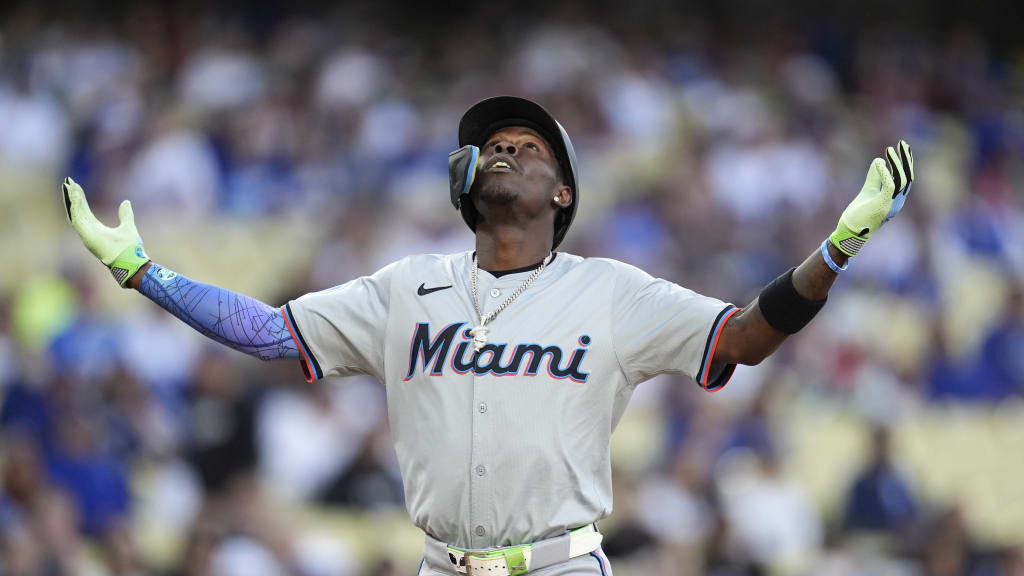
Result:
[[276, 152]]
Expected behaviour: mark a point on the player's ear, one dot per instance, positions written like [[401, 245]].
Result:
[[562, 197]]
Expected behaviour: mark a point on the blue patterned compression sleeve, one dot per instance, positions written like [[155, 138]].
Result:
[[238, 321]]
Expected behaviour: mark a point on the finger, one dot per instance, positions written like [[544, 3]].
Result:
[[125, 214], [67, 199], [896, 168], [907, 157], [886, 184], [76, 204]]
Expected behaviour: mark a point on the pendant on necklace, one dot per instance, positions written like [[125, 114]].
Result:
[[479, 335]]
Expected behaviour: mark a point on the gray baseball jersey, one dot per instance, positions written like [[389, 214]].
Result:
[[509, 445]]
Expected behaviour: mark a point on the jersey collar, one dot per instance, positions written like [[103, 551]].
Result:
[[500, 273]]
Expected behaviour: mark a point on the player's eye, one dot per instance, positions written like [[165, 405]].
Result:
[[533, 146]]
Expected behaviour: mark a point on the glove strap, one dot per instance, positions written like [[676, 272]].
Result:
[[847, 241], [128, 263]]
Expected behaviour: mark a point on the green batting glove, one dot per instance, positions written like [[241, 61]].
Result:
[[120, 249], [882, 197]]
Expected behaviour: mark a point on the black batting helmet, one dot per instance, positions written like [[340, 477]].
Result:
[[486, 117]]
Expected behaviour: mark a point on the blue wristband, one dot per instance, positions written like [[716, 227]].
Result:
[[828, 259]]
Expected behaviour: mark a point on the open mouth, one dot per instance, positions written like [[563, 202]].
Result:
[[501, 163]]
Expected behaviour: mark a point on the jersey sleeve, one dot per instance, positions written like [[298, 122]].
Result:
[[660, 327], [341, 331]]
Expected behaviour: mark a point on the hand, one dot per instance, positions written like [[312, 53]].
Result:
[[120, 249], [882, 197]]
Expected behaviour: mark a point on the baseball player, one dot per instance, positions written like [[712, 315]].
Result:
[[508, 367]]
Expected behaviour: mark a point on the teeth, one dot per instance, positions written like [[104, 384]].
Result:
[[501, 163]]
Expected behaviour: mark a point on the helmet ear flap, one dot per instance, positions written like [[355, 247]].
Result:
[[462, 165]]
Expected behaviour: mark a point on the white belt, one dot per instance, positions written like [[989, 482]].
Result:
[[516, 560]]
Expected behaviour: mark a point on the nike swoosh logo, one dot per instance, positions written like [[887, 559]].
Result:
[[424, 291]]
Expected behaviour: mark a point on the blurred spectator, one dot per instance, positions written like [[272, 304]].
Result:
[[221, 424], [80, 464], [236, 535], [175, 173], [86, 348], [36, 132], [373, 480], [770, 519], [310, 436], [221, 79], [25, 410], [1002, 354], [880, 499]]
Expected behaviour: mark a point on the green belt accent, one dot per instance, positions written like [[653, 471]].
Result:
[[515, 557]]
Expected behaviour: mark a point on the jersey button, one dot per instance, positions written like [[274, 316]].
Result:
[[481, 470], [482, 407], [495, 292], [480, 531]]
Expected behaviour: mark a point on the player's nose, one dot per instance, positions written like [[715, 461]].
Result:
[[504, 147]]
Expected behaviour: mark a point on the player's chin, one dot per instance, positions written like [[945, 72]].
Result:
[[497, 192]]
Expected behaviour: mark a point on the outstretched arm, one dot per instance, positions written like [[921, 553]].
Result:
[[232, 319], [238, 321], [788, 304], [748, 337]]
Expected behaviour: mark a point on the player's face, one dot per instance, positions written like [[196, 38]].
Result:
[[518, 168]]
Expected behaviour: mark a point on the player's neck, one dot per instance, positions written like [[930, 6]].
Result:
[[509, 248]]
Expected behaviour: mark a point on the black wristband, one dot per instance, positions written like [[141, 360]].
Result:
[[784, 308]]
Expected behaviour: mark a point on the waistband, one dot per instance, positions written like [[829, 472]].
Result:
[[513, 560]]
